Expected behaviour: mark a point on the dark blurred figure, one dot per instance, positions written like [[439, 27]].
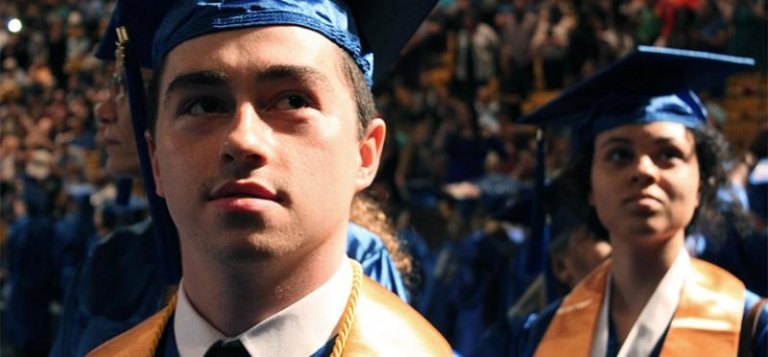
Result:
[[551, 40], [30, 286], [476, 52], [516, 23]]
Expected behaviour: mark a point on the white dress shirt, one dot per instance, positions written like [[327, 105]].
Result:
[[655, 317], [298, 330]]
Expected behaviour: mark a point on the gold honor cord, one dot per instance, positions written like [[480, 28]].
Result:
[[348, 317]]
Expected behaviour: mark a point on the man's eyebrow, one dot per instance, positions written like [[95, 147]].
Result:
[[303, 74], [197, 78]]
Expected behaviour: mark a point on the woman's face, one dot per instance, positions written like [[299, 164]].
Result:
[[645, 181]]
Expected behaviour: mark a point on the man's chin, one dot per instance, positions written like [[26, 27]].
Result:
[[240, 257], [250, 248]]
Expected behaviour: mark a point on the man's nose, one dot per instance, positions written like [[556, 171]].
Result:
[[248, 139]]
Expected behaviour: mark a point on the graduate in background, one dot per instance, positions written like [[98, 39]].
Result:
[[647, 164], [574, 251]]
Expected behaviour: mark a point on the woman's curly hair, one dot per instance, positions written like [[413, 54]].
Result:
[[368, 214]]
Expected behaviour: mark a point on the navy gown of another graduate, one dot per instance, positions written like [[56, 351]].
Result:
[[32, 277]]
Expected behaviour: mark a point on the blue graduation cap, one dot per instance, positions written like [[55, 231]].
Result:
[[648, 85], [368, 30], [140, 18]]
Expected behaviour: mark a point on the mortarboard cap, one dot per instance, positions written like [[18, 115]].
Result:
[[107, 44], [367, 30], [650, 84], [142, 18]]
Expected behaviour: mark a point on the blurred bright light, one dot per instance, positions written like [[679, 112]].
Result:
[[14, 25]]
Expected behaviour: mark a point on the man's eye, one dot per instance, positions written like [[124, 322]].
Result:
[[292, 102], [205, 106]]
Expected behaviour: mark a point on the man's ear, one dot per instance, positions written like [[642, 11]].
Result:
[[370, 149], [159, 190]]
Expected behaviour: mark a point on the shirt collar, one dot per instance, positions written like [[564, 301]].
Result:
[[298, 330], [655, 317]]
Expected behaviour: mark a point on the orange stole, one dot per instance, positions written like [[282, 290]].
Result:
[[142, 339], [384, 325], [707, 319]]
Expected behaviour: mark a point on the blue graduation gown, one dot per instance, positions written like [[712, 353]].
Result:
[[468, 294], [116, 287], [383, 326], [532, 331], [368, 249], [119, 286], [31, 280], [746, 258]]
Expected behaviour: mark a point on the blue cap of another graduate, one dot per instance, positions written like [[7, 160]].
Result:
[[648, 85], [368, 30], [143, 19]]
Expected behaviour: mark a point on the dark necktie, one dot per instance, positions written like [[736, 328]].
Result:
[[227, 349]]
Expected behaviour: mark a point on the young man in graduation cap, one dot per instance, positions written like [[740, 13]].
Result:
[[262, 131], [124, 280], [647, 164]]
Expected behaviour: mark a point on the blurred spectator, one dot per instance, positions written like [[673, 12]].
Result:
[[516, 23], [643, 19], [476, 51], [56, 43]]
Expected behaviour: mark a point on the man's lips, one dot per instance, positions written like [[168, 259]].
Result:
[[242, 190]]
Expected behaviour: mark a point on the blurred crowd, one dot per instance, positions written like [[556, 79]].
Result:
[[458, 172]]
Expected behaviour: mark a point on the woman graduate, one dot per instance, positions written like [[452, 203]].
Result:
[[647, 164]]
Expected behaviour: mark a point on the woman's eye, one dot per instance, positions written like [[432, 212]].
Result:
[[205, 106], [619, 155], [671, 154], [292, 102]]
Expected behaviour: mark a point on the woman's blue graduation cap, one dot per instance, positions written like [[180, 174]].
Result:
[[650, 84], [368, 30]]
